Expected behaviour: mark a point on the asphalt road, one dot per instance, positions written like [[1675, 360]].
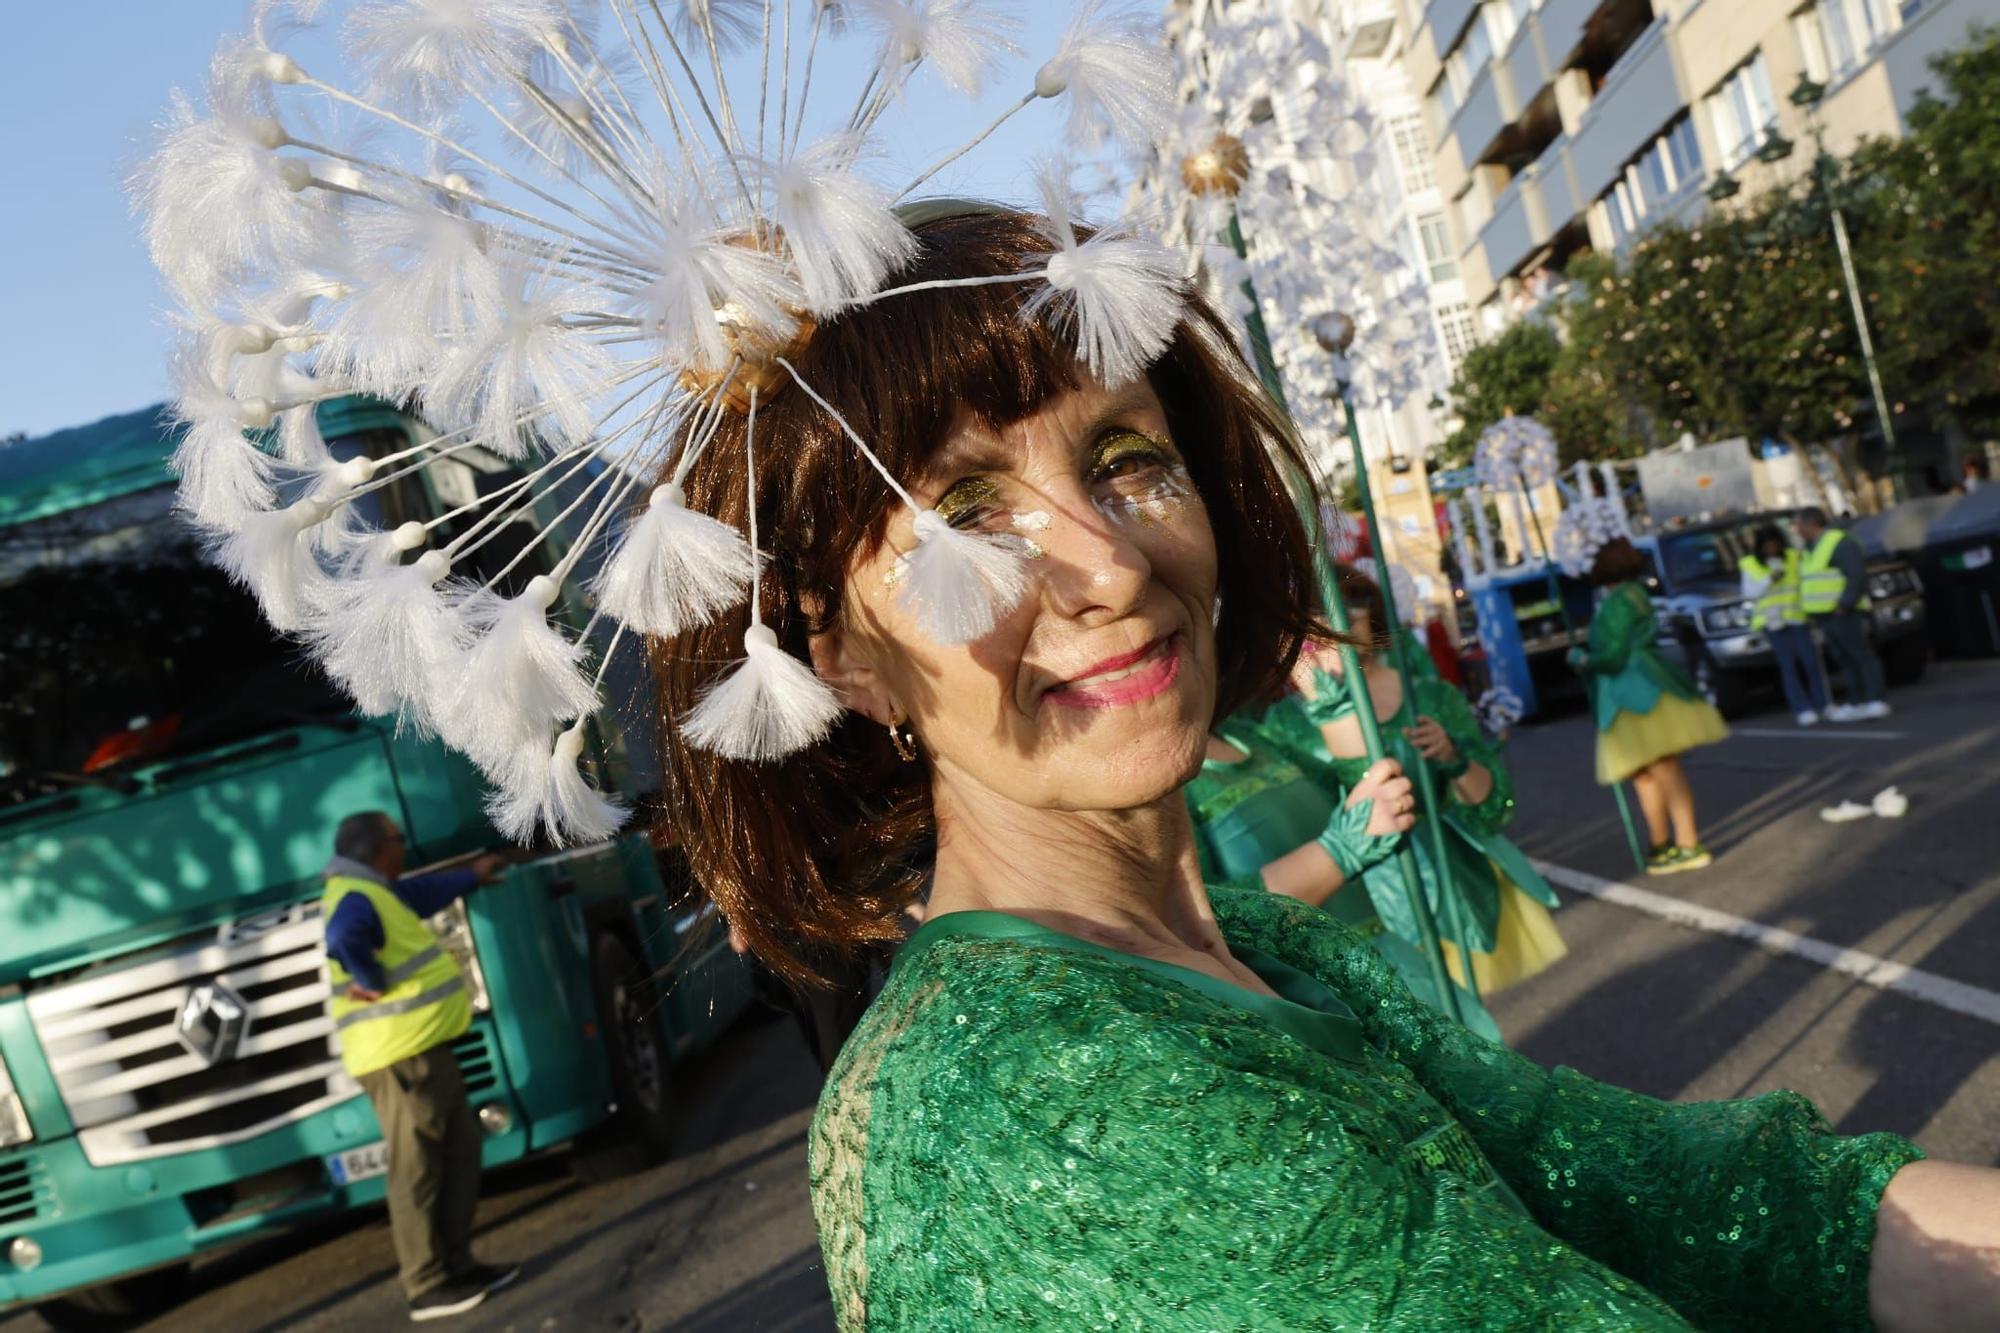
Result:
[[721, 1238]]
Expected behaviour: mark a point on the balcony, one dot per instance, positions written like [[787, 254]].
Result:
[[1487, 111], [1550, 176], [1640, 94], [1446, 19], [1516, 228], [1562, 24], [1527, 73]]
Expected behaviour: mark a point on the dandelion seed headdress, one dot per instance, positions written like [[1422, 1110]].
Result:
[[569, 243]]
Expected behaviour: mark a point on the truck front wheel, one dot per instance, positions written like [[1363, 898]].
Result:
[[639, 1132], [125, 1303], [1903, 661], [1724, 689]]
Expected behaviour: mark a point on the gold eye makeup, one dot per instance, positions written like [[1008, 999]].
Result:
[[969, 502], [1136, 478]]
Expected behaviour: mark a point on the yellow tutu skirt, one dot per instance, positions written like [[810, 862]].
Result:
[[1635, 740], [1525, 942]]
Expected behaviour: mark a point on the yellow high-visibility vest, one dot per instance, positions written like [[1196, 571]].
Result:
[[1820, 584], [426, 1002], [1780, 603]]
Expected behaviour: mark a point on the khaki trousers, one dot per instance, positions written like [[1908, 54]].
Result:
[[433, 1144]]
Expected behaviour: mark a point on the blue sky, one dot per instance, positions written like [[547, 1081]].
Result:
[[82, 325]]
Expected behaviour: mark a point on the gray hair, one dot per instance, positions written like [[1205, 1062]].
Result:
[[361, 837]]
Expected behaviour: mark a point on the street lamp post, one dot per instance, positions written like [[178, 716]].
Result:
[[1806, 96]]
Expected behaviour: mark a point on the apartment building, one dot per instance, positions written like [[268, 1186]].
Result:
[[1558, 125]]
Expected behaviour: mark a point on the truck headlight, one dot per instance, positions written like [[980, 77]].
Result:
[[453, 928], [1729, 619], [14, 1126], [1883, 585]]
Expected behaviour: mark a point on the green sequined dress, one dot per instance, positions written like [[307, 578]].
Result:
[[1502, 900], [1248, 814], [1031, 1132]]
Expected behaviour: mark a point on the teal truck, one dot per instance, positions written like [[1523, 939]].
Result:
[[170, 777]]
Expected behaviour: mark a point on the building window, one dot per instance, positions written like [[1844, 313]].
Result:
[[1663, 170], [1474, 49], [1743, 111], [1437, 247], [1456, 332], [1837, 36], [1413, 154], [1444, 98], [1683, 152]]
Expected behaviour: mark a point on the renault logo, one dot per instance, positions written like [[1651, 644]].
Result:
[[212, 1022]]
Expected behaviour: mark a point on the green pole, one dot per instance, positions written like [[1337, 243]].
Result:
[[1589, 681], [1430, 807], [1307, 497]]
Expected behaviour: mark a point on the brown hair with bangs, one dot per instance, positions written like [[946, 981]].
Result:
[[1364, 596], [1617, 561], [815, 855]]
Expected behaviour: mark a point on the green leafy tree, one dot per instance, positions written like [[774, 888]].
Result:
[[1530, 370], [1924, 213]]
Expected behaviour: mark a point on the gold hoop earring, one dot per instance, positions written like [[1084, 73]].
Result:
[[906, 744]]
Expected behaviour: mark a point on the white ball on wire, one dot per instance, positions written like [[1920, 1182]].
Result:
[[1515, 452]]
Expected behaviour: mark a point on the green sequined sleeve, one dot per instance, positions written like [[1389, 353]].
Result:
[[1748, 1214], [1442, 700], [1019, 1139]]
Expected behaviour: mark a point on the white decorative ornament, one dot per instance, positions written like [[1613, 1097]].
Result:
[[574, 247], [1515, 453], [1582, 531], [1499, 709]]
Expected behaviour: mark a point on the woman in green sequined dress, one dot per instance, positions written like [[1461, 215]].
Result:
[[1500, 901], [1096, 1093]]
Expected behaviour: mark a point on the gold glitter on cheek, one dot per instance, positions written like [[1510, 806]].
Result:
[[1030, 550], [893, 575]]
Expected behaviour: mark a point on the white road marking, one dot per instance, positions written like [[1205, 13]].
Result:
[[1897, 978], [1819, 734]]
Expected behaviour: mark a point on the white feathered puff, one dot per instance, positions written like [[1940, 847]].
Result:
[[1121, 295]]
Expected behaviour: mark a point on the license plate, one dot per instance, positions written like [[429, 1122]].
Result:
[[363, 1163]]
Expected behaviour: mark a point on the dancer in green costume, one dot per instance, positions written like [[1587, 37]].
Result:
[[1257, 814], [1502, 901], [1095, 1093], [1648, 710]]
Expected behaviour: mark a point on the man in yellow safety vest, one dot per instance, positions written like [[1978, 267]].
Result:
[[1833, 588], [1771, 578], [399, 999]]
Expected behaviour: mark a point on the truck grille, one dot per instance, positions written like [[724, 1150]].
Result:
[[24, 1195], [134, 1091]]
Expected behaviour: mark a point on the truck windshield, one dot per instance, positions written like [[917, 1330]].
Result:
[[1694, 557], [122, 645]]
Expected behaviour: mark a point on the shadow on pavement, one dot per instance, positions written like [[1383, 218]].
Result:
[[791, 1298]]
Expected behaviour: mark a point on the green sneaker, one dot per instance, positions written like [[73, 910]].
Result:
[[1693, 858], [1673, 860]]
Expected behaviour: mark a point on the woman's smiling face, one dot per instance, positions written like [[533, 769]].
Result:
[[1097, 690]]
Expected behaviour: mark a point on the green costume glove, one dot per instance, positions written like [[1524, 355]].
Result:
[[1329, 699], [1353, 848], [1453, 771]]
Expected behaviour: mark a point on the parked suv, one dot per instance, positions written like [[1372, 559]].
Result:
[[1705, 619]]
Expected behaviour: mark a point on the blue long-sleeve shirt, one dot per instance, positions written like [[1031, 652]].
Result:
[[354, 931]]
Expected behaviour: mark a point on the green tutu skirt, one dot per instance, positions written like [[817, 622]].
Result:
[[1634, 740]]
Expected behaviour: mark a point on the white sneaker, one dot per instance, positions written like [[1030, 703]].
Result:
[[1842, 713], [1868, 712], [1808, 718], [1890, 803], [1846, 812]]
